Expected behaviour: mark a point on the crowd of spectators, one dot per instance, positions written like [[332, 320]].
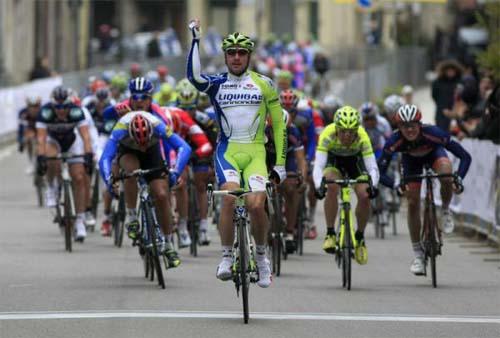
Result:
[[467, 101]]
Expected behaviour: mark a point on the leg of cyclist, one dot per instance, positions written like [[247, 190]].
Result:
[[182, 197], [106, 198], [201, 179], [77, 173], [89, 217], [226, 231], [312, 233], [53, 174], [331, 208], [413, 166], [129, 162], [159, 189], [362, 214], [291, 198], [442, 165], [29, 140]]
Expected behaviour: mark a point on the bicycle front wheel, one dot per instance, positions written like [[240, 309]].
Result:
[[347, 251], [244, 262], [155, 251]]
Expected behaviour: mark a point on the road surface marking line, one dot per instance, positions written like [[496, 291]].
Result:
[[257, 315]]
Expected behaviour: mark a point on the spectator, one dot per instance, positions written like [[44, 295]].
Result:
[[153, 48], [41, 69], [443, 91], [489, 126], [164, 76]]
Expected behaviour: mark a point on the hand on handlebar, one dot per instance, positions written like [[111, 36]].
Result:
[[458, 186]]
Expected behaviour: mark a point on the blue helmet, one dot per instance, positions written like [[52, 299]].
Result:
[[140, 85], [369, 110]]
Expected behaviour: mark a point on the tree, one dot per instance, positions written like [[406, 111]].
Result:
[[490, 20]]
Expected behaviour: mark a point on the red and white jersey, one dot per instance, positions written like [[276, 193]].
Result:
[[188, 129]]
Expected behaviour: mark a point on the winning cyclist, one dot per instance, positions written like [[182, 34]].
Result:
[[242, 100], [136, 140], [344, 149], [422, 145]]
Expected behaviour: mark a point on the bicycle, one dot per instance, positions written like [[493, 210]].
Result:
[[244, 265], [431, 233], [378, 207], [94, 206], [276, 237], [118, 214], [193, 221], [65, 210], [346, 245], [150, 241]]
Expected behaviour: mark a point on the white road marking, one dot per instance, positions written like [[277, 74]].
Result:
[[257, 315], [6, 152], [20, 285]]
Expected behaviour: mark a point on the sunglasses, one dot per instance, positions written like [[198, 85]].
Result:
[[234, 51], [61, 105], [140, 97], [409, 125]]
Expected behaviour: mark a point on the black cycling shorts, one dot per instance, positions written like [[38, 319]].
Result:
[[151, 158], [351, 167]]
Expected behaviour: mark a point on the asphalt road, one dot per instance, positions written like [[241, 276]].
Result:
[[99, 290]]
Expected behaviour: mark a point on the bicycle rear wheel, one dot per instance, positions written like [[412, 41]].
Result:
[[121, 219], [68, 217], [244, 262], [300, 225], [38, 182]]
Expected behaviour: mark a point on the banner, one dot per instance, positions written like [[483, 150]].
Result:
[[13, 99]]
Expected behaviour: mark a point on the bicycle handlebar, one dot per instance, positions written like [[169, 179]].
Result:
[[427, 175], [63, 157], [139, 173]]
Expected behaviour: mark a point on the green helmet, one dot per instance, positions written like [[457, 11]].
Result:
[[166, 89], [237, 40], [347, 118], [119, 82], [187, 95], [285, 75]]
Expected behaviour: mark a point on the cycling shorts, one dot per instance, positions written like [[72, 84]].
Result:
[[231, 159], [414, 165], [75, 148], [352, 167], [151, 158]]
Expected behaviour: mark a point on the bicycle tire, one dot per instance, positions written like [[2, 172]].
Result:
[[274, 253], [394, 224], [68, 218], [244, 263], [347, 250], [95, 197], [192, 219], [38, 182], [433, 252], [300, 225], [155, 254]]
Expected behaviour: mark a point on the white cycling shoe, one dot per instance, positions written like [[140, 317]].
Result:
[[224, 272], [89, 219], [50, 197], [265, 275], [184, 239], [81, 232], [417, 267], [447, 221]]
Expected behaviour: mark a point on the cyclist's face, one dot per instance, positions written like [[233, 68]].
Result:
[[347, 136], [370, 123], [140, 103], [237, 60], [410, 130], [62, 111], [33, 109], [284, 84]]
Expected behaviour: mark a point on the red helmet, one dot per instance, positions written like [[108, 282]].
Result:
[[140, 129], [289, 99], [97, 84], [162, 70]]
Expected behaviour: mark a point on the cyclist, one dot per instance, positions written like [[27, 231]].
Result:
[[303, 119], [295, 164], [141, 90], [118, 86], [187, 98], [422, 145], [242, 100], [55, 128], [166, 96], [188, 130], [26, 132], [391, 105], [102, 100], [328, 108], [377, 127], [344, 149], [135, 141]]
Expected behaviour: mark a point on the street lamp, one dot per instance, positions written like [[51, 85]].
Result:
[[74, 6]]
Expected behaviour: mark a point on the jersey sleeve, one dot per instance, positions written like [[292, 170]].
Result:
[[366, 145], [200, 81], [177, 143], [279, 128], [324, 139], [110, 149], [311, 138]]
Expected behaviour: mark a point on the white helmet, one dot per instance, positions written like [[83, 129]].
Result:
[[392, 104], [408, 113]]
